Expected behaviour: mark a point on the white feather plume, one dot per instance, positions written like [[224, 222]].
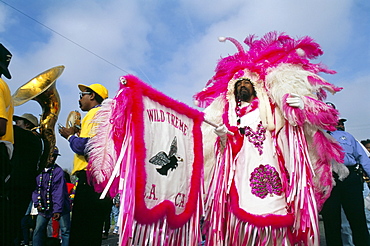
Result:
[[100, 148]]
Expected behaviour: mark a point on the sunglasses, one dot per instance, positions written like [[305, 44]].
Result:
[[84, 93]]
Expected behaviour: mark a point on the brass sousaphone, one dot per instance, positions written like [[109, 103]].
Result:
[[42, 89]]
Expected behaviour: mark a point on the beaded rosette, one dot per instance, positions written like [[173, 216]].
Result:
[[265, 181]]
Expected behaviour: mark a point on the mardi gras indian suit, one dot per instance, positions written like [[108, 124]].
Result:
[[266, 183]]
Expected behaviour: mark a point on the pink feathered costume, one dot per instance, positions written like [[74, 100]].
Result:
[[267, 186]]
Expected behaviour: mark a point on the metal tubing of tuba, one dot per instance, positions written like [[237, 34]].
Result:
[[42, 89]]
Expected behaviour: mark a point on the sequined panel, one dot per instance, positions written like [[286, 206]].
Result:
[[265, 180]]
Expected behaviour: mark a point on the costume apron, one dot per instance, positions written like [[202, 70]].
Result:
[[257, 175]]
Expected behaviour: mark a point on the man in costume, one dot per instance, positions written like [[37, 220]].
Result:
[[52, 201], [264, 185], [88, 210], [347, 194], [6, 143]]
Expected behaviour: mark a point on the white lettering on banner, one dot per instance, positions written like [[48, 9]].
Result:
[[156, 115]]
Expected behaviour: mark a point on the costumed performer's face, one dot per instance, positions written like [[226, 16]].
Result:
[[244, 90]]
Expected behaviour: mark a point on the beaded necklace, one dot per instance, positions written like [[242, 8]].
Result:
[[48, 203], [240, 112], [73, 193], [254, 137]]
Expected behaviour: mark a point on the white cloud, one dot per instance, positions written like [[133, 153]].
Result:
[[173, 45], [351, 103]]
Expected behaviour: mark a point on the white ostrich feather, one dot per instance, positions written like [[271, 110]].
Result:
[[100, 148], [288, 78]]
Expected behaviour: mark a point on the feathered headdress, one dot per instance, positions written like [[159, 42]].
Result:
[[265, 54]]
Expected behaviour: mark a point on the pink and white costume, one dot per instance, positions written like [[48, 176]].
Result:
[[267, 185]]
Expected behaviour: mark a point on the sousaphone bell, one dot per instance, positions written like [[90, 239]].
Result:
[[42, 89]]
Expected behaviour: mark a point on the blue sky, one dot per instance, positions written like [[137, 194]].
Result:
[[172, 45]]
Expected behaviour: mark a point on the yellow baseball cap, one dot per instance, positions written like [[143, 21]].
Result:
[[97, 88]]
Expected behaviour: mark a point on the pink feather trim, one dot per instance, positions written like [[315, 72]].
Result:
[[275, 221], [294, 115], [315, 112], [327, 150]]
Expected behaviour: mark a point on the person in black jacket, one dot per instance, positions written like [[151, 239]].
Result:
[[28, 148]]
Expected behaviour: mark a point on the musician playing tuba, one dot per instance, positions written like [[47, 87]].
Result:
[[88, 210]]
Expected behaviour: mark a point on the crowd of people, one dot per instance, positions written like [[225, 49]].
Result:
[[29, 182], [258, 147]]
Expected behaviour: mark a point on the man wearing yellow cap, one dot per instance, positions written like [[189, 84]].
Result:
[[88, 210]]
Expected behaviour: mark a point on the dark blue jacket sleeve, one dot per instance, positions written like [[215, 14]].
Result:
[[78, 144]]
